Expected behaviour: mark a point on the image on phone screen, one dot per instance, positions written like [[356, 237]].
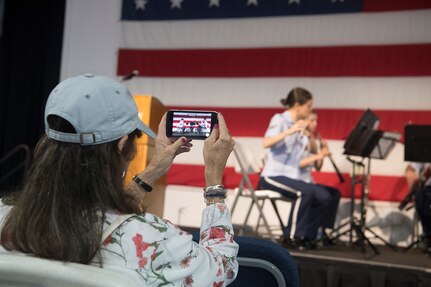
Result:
[[191, 124]]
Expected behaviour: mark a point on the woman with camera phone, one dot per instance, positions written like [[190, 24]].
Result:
[[75, 207]]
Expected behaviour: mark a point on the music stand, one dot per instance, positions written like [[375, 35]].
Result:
[[417, 143], [359, 137], [366, 142], [380, 145]]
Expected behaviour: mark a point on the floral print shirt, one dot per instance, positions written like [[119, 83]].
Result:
[[155, 252]]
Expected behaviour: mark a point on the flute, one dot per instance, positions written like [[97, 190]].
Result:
[[340, 176]]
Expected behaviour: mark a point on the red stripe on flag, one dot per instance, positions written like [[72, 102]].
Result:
[[393, 5], [385, 188], [333, 123], [384, 61]]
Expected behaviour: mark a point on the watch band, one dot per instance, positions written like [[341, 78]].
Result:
[[142, 184], [215, 191]]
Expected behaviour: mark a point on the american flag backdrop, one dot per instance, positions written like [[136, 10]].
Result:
[[241, 57]]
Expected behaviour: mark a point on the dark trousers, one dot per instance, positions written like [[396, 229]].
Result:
[[316, 205], [423, 208]]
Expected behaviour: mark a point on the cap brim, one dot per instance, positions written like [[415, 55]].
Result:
[[145, 129]]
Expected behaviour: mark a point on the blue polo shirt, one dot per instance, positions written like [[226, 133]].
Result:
[[285, 156]]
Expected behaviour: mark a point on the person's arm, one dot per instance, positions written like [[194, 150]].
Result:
[[213, 261], [316, 159], [165, 152], [318, 164], [161, 253], [270, 141], [310, 160], [411, 176], [164, 254]]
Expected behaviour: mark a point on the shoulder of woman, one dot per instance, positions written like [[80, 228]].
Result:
[[277, 118], [151, 225]]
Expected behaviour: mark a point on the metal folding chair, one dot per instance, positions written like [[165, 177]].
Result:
[[246, 165]]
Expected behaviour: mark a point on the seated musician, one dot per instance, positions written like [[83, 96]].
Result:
[[286, 143], [312, 158], [418, 176]]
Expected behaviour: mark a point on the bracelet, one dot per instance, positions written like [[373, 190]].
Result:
[[217, 186], [221, 194], [142, 184], [213, 190], [212, 200]]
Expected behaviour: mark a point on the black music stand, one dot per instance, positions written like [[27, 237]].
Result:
[[417, 143], [417, 148], [366, 142]]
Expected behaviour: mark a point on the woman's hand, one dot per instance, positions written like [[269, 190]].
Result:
[[165, 152], [324, 152], [323, 143], [299, 126], [217, 148]]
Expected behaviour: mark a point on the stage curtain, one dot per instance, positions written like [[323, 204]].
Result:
[[30, 57]]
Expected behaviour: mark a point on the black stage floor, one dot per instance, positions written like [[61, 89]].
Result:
[[413, 259], [344, 265]]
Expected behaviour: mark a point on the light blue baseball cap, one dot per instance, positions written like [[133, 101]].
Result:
[[100, 109]]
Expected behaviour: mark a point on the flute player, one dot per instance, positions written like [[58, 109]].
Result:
[[288, 146]]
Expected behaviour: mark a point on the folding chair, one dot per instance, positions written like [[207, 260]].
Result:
[[247, 164]]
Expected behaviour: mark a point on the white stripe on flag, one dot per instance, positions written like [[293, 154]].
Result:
[[406, 27], [400, 93]]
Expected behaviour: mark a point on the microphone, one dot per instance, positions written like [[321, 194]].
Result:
[[130, 76]]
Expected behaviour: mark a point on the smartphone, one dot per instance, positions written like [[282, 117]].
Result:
[[190, 124]]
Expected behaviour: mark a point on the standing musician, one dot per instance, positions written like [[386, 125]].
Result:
[[286, 142]]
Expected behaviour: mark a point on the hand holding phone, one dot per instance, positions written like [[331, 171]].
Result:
[[216, 152], [190, 124]]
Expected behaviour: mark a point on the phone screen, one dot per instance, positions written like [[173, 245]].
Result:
[[190, 124]]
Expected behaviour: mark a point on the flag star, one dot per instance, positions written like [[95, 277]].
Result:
[[251, 2], [214, 3], [294, 1], [176, 4], [140, 4]]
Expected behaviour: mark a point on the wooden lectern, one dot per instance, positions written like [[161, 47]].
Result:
[[151, 111]]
